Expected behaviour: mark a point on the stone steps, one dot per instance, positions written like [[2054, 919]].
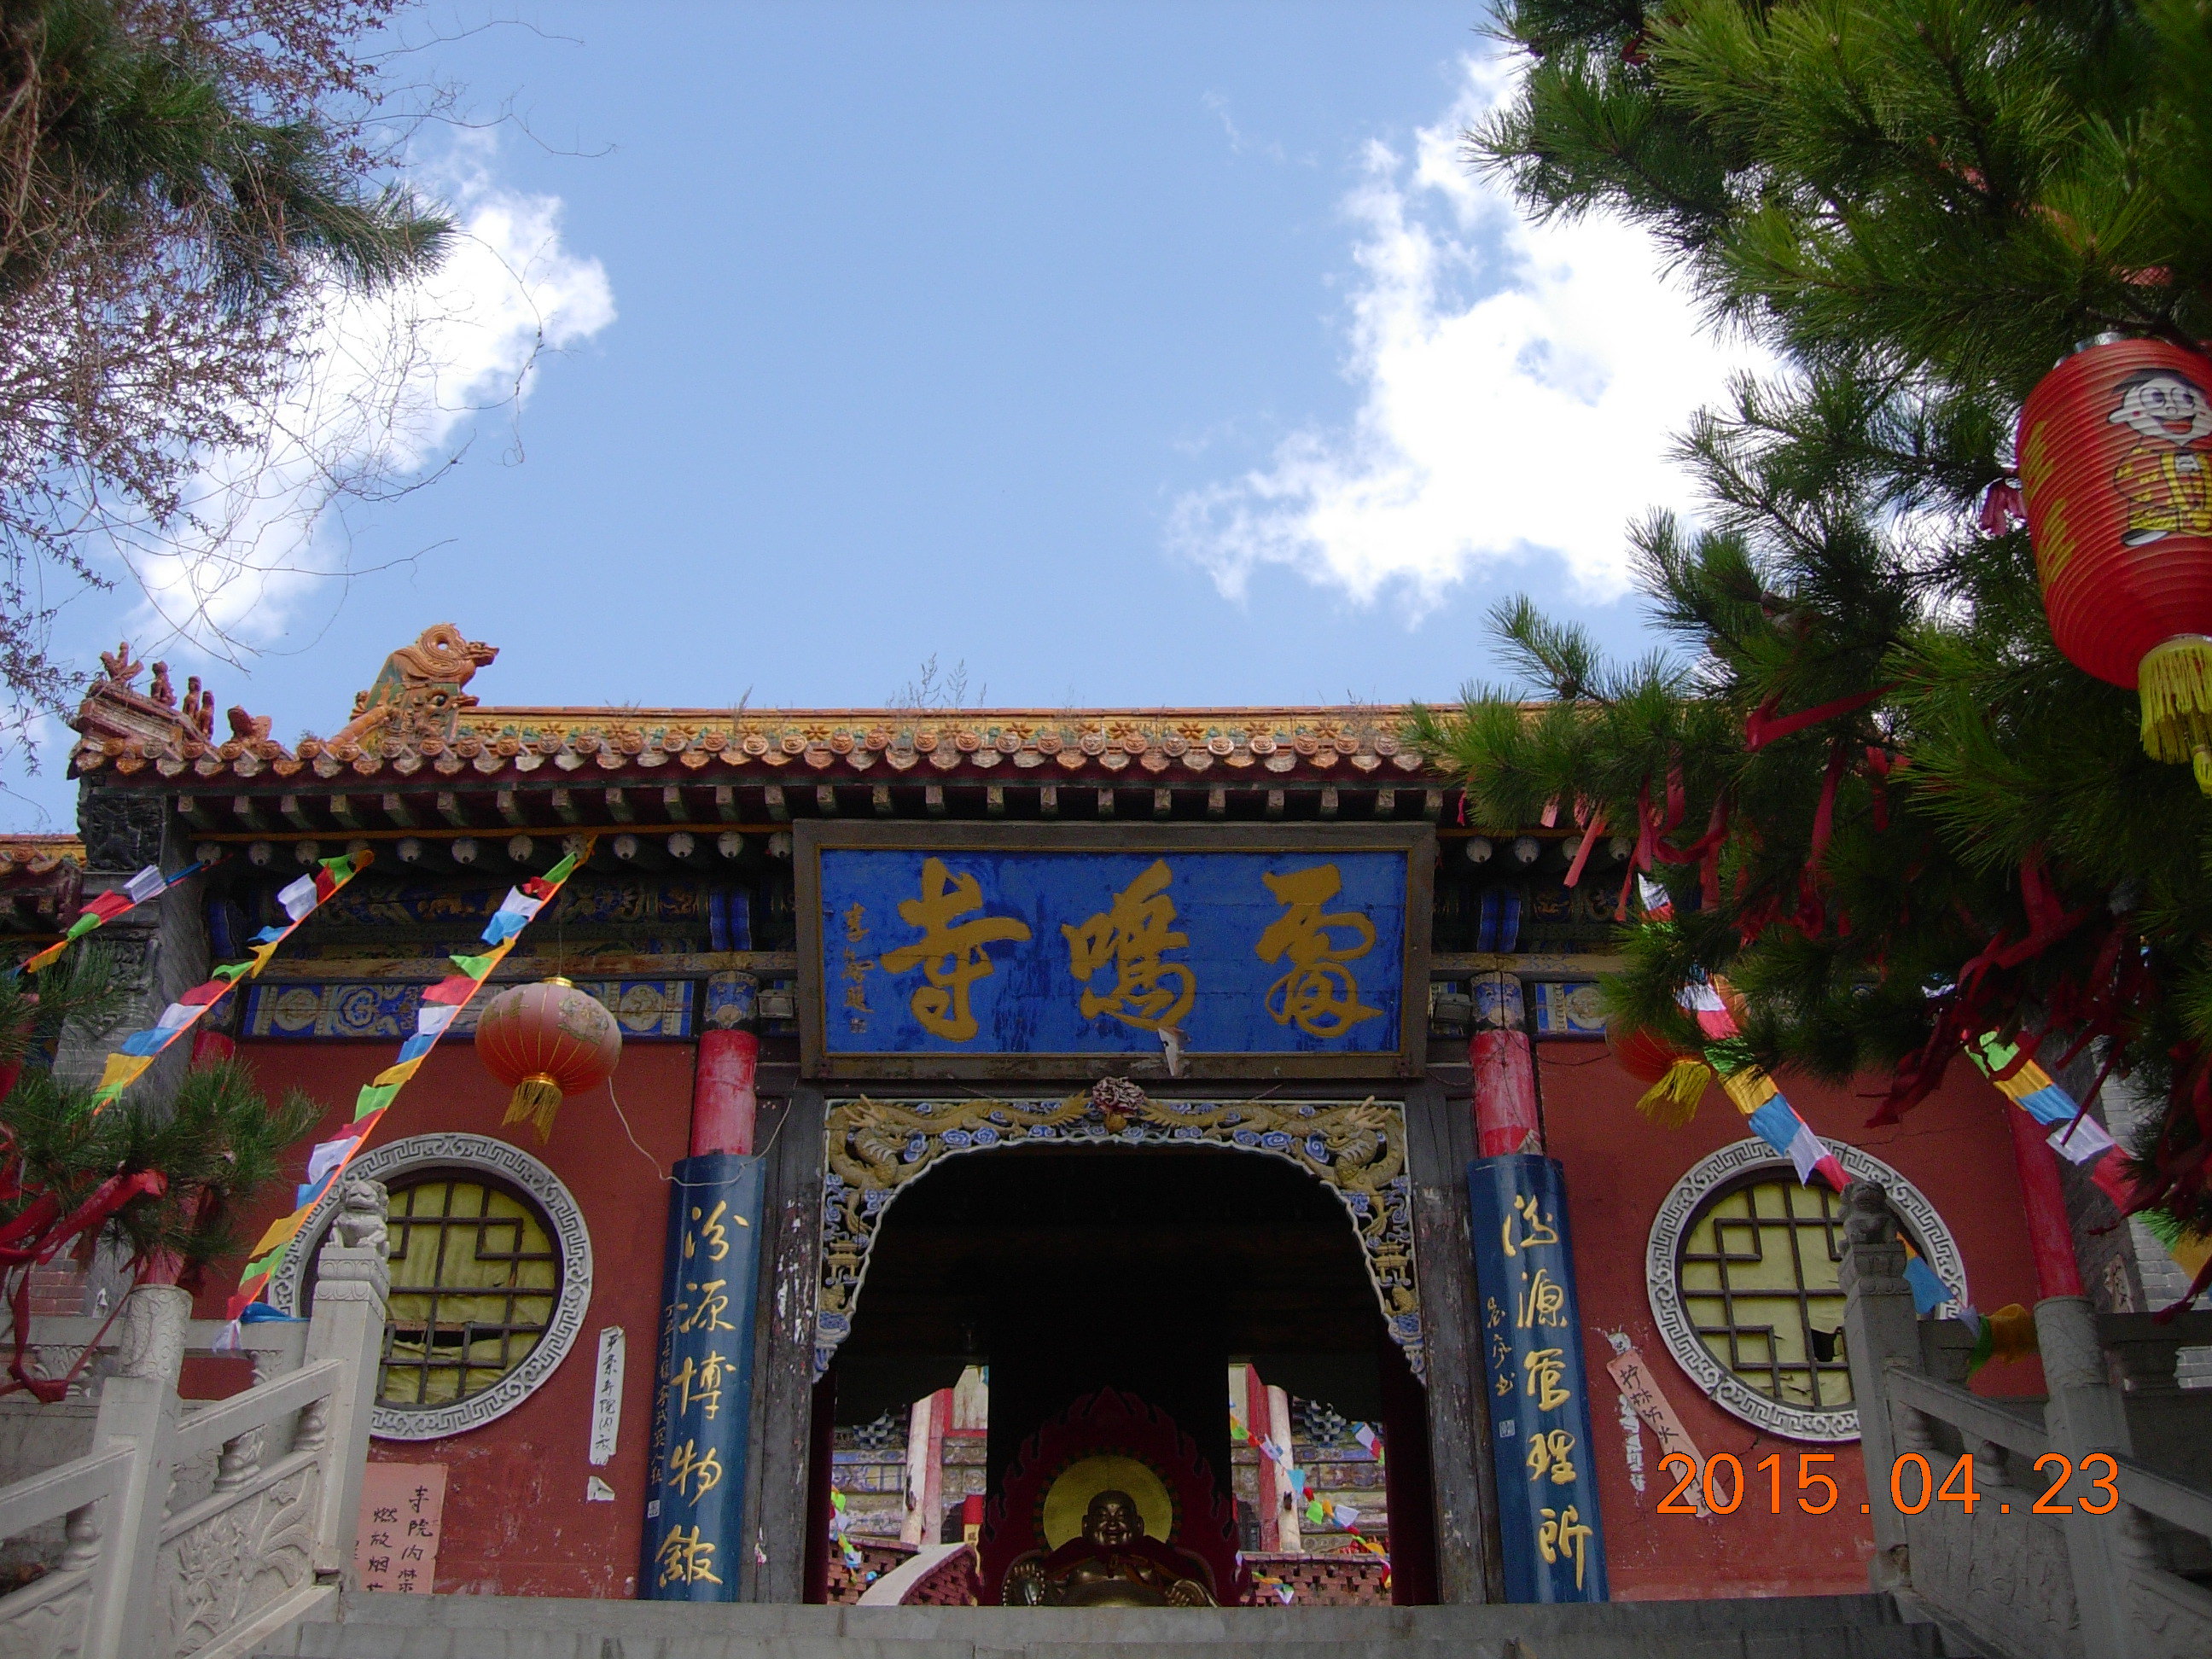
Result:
[[507, 1628]]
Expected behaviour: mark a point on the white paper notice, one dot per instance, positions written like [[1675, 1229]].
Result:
[[606, 1397]]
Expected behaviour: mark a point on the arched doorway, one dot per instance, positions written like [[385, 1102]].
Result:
[[1148, 1269]]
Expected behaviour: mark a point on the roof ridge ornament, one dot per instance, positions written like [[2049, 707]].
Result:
[[418, 694]]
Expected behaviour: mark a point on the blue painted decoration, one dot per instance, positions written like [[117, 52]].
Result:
[[375, 1009], [1001, 951], [1540, 1423], [1570, 1010], [702, 1383]]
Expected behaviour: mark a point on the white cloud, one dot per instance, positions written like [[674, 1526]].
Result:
[[1520, 386], [396, 382]]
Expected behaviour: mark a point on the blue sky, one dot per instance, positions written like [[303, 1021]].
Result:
[[1127, 352]]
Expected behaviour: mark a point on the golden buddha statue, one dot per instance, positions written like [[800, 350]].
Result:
[[1112, 1564]]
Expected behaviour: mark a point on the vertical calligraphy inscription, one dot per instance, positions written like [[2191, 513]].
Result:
[[1540, 1413], [703, 1410], [857, 967]]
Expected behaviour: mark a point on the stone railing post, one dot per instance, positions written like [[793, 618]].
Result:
[[1880, 1330], [138, 1409], [351, 1283], [2085, 1415]]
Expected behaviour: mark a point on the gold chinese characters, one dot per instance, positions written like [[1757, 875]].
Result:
[[1148, 993], [1319, 995], [951, 958]]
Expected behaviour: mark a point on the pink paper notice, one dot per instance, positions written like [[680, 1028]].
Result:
[[402, 1509], [1639, 1388]]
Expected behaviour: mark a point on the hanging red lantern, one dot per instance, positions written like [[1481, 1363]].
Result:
[[545, 1041], [1643, 1052], [2115, 457]]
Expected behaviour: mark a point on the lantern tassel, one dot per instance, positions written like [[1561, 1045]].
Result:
[[535, 1100], [1672, 1100], [2175, 680]]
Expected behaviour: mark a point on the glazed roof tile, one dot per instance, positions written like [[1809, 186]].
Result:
[[1293, 745]]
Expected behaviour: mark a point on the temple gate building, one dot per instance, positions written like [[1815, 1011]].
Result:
[[1066, 1157]]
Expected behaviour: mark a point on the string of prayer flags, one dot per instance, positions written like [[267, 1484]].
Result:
[[1374, 1549], [2075, 1135], [441, 1004], [2189, 1250], [1753, 1093], [1929, 1291], [838, 1522], [2006, 1334], [1275, 1586], [299, 901], [104, 908]]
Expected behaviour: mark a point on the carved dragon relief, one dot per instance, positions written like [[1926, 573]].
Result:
[[878, 1148], [418, 692]]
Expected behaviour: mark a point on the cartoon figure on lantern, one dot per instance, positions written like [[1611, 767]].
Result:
[[2166, 477]]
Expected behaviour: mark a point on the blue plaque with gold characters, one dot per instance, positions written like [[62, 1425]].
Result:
[[1241, 951], [1540, 1423], [703, 1382]]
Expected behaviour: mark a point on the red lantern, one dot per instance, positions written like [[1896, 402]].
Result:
[[545, 1041], [2116, 468], [1643, 1052]]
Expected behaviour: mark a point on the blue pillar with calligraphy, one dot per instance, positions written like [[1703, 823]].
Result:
[[1539, 1421], [703, 1382]]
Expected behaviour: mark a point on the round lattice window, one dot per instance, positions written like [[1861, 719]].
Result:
[[491, 1273], [474, 1278], [1743, 1269]]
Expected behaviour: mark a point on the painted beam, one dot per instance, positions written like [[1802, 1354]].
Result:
[[674, 965]]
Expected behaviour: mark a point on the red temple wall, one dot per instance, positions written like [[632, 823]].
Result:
[[517, 1522], [1619, 1167]]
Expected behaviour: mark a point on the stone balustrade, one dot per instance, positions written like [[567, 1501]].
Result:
[[2096, 1564], [203, 1531]]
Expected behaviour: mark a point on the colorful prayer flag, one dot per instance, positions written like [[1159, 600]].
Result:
[[440, 1005]]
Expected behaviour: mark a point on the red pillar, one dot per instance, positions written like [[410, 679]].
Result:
[[2044, 1197], [1504, 1071], [723, 1103], [1260, 1423]]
